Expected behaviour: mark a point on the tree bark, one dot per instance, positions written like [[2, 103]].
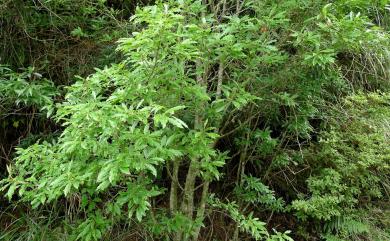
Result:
[[221, 68], [174, 187], [201, 209], [187, 206]]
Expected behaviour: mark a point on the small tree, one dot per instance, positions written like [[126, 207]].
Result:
[[188, 69]]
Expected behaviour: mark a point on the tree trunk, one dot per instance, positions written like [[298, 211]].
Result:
[[187, 206], [174, 187], [201, 209]]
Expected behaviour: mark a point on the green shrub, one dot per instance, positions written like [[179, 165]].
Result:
[[234, 116], [350, 165]]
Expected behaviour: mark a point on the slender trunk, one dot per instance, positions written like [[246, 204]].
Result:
[[240, 174], [240, 180], [223, 9], [206, 184], [201, 209], [174, 187], [220, 78], [187, 206], [238, 6], [236, 233]]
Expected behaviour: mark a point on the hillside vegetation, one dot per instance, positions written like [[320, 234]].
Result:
[[191, 120]]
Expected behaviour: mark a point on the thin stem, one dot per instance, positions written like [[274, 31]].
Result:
[[201, 209], [174, 187]]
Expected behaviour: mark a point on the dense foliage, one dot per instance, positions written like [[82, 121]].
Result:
[[212, 120]]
